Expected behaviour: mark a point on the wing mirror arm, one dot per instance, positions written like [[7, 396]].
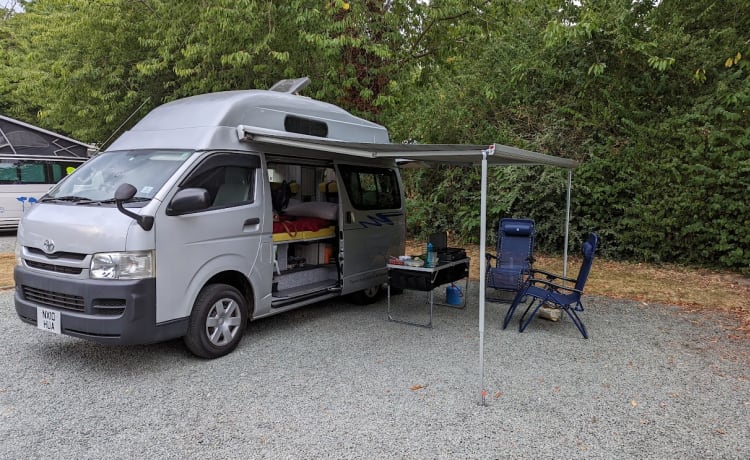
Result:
[[125, 192]]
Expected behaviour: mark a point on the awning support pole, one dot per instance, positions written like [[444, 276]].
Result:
[[483, 269], [567, 224]]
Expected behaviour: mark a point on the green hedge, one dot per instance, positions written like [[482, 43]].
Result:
[[681, 200]]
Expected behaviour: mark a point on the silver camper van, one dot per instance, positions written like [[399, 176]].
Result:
[[208, 213]]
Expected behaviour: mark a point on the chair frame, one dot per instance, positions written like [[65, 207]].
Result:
[[550, 291]]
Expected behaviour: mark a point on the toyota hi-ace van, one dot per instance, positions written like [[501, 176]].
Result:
[[186, 227]]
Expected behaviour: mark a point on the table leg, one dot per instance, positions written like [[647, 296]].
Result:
[[391, 318]]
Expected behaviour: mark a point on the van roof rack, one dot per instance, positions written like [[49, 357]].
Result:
[[290, 85]]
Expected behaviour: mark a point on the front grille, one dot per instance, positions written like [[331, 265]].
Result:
[[56, 255], [53, 299], [54, 268], [108, 307]]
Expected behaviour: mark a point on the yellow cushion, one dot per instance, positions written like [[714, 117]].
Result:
[[293, 186], [328, 187], [304, 235]]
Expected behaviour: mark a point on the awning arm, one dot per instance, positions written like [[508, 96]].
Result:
[[483, 269], [567, 225]]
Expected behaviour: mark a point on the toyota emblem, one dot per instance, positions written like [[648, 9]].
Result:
[[49, 246]]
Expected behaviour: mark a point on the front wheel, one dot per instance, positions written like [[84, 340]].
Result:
[[366, 296], [217, 321]]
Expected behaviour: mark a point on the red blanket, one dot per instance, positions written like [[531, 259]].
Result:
[[300, 224]]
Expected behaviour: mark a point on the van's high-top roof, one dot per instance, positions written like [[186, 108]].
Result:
[[210, 121]]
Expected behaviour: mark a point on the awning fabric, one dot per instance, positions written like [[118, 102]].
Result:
[[453, 154]]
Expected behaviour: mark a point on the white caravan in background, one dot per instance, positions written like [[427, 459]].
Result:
[[32, 160]]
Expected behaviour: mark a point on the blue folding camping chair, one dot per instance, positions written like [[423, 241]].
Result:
[[515, 255], [544, 288]]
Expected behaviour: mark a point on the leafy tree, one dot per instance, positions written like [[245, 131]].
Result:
[[650, 97], [89, 66], [9, 64], [75, 64]]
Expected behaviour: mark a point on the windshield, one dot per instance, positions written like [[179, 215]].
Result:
[[98, 178]]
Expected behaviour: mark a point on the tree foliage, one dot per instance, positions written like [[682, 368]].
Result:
[[650, 97]]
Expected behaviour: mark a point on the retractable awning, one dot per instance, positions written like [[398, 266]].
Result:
[[451, 154]]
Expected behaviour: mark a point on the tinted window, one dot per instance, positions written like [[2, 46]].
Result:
[[35, 171], [8, 173], [305, 126], [32, 173], [371, 188]]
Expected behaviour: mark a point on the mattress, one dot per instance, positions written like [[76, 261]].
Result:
[[302, 228], [328, 232]]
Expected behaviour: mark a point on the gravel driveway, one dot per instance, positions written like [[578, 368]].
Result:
[[338, 380], [7, 241]]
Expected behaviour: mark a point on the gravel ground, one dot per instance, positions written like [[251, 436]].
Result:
[[336, 380], [7, 241]]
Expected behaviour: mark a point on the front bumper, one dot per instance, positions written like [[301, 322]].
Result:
[[121, 312]]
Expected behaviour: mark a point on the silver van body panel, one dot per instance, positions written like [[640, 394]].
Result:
[[193, 248], [199, 138], [79, 229], [370, 236]]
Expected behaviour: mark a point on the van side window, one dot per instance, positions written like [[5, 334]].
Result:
[[371, 188], [228, 182]]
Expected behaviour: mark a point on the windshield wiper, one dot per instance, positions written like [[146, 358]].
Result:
[[70, 198], [135, 199]]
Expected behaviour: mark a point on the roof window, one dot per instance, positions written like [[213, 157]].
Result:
[[299, 125]]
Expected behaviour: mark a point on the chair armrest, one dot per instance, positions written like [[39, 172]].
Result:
[[489, 257], [549, 275], [552, 276], [554, 286]]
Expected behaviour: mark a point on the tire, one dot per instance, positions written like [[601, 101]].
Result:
[[217, 322], [367, 296], [396, 291]]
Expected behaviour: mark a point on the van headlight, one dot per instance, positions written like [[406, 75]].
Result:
[[122, 265]]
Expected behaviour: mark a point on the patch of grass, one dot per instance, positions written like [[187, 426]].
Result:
[[7, 263]]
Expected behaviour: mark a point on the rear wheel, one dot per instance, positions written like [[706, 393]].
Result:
[[217, 322], [367, 296]]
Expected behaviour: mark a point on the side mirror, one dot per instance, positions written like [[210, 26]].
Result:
[[189, 200], [125, 192]]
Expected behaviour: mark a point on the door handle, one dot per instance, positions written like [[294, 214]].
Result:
[[252, 221]]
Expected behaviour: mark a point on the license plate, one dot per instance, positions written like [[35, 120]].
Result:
[[48, 320]]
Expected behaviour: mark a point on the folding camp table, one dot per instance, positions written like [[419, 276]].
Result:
[[427, 279]]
